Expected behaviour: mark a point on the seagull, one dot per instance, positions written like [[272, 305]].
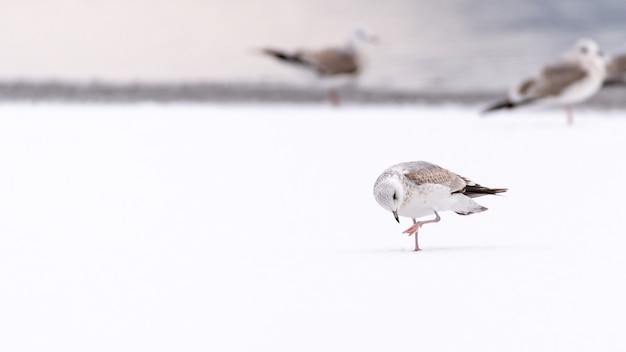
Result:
[[345, 60], [616, 70], [574, 78], [418, 188]]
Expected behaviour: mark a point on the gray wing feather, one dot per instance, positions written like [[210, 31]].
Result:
[[333, 61], [554, 79], [421, 172], [524, 88]]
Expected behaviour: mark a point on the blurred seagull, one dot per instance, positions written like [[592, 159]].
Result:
[[418, 188], [616, 70], [345, 60], [574, 78]]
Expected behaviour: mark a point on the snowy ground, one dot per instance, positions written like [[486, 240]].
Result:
[[254, 228]]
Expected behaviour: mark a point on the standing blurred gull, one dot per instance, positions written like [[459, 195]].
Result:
[[418, 188], [574, 78], [345, 60]]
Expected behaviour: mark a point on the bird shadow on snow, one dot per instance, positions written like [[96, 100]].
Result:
[[464, 249]]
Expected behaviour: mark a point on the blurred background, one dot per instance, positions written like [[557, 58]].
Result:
[[451, 45]]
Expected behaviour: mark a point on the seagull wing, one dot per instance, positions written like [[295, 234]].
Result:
[[333, 61], [421, 172], [556, 78]]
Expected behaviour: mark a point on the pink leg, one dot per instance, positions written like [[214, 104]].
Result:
[[417, 225], [333, 94], [570, 115]]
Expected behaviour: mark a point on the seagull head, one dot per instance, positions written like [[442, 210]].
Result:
[[359, 35], [389, 194], [587, 47]]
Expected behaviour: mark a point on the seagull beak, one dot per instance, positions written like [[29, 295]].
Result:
[[395, 215]]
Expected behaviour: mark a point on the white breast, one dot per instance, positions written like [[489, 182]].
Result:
[[425, 199]]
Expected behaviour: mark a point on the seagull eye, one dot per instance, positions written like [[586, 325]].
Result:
[[395, 196], [584, 50]]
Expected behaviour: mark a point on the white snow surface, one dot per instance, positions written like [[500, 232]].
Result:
[[254, 228]]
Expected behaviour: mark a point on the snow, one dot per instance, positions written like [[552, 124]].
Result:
[[253, 228]]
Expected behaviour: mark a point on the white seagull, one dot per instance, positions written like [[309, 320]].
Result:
[[418, 188], [345, 60], [574, 78]]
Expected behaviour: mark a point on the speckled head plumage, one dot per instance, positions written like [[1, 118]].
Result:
[[390, 192], [587, 47]]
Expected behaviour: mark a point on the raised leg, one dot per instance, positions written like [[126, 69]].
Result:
[[417, 225]]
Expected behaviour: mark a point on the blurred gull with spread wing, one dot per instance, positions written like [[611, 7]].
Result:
[[574, 78], [418, 188]]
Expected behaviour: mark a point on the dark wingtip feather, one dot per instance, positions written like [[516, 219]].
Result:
[[508, 104], [294, 58], [614, 83], [504, 104], [478, 190]]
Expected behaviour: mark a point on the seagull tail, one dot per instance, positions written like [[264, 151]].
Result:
[[507, 104], [479, 209], [504, 104]]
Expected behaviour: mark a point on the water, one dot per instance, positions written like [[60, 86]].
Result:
[[435, 45]]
